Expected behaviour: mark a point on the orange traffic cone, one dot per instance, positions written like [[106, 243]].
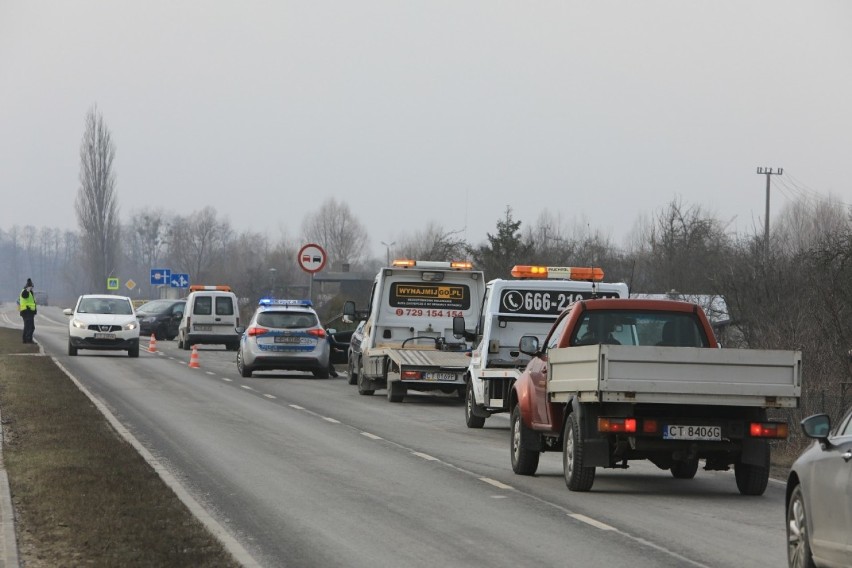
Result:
[[152, 344], [193, 359]]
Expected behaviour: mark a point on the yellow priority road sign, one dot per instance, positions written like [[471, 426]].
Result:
[[112, 283]]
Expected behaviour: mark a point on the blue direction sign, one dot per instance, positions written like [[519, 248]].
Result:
[[180, 280], [160, 276]]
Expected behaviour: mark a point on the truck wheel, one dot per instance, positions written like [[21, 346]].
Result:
[[472, 420], [350, 370], [577, 476], [751, 479], [798, 542], [396, 391], [362, 384], [524, 460], [684, 469]]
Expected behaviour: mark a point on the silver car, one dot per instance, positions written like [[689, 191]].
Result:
[[284, 335], [819, 496]]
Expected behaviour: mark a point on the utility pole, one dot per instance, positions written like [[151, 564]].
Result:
[[768, 172]]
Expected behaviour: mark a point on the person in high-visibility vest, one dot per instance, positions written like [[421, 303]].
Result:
[[27, 306]]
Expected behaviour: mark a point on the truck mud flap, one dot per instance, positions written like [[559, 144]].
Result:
[[596, 452]]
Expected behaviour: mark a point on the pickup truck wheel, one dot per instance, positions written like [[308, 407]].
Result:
[[751, 479], [470, 418], [396, 391], [684, 469], [524, 460], [362, 384], [577, 476], [799, 553]]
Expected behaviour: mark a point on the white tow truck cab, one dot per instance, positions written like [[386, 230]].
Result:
[[416, 332], [525, 305]]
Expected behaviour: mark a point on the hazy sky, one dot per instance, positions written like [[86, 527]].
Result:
[[418, 111]]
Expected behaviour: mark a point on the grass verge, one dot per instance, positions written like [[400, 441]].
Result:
[[81, 494]]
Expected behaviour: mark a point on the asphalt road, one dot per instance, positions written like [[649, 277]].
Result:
[[305, 472]]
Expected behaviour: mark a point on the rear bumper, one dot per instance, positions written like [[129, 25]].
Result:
[[213, 339]]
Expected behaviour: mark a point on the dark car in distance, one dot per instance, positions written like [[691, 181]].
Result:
[[819, 496], [160, 317]]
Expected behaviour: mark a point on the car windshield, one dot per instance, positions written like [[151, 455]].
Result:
[[118, 306], [287, 320]]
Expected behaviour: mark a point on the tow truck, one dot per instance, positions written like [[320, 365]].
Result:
[[416, 334], [528, 304]]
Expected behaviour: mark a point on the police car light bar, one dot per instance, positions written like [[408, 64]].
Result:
[[277, 302], [454, 265], [558, 272], [221, 288]]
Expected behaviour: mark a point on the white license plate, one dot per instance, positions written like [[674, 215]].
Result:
[[676, 432], [104, 336], [202, 327], [440, 376], [291, 340]]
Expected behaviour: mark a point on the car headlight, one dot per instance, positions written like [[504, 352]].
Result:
[[78, 324], [131, 325]]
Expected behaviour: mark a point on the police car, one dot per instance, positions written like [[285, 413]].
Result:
[[284, 335]]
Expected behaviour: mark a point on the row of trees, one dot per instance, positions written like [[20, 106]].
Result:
[[792, 294]]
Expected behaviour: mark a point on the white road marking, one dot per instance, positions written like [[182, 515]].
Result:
[[210, 372], [297, 407], [425, 456], [495, 483], [246, 387], [227, 379], [591, 521], [332, 420], [371, 436], [270, 396]]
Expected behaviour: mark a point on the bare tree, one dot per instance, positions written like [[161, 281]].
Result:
[[335, 228], [197, 243], [97, 204], [433, 243]]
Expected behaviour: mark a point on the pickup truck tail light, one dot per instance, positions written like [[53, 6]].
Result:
[[617, 425], [768, 430], [416, 375]]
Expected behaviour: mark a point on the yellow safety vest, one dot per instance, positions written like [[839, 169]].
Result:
[[27, 303]]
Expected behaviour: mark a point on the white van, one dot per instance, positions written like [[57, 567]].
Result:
[[211, 317]]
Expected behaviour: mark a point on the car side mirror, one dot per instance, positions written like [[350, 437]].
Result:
[[817, 426], [458, 327], [528, 345], [349, 308], [240, 330]]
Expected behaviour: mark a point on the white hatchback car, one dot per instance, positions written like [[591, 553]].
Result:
[[103, 322]]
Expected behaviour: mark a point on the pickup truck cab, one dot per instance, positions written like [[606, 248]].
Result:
[[617, 380]]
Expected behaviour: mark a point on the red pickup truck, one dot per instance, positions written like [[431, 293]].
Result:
[[627, 379]]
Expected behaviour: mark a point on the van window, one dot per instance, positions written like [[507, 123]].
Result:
[[203, 306], [224, 306]]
